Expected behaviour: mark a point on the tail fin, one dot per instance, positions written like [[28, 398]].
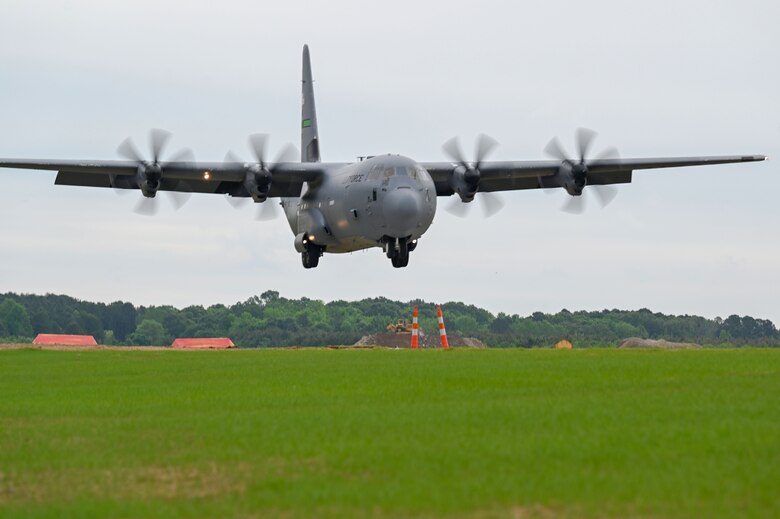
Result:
[[310, 139]]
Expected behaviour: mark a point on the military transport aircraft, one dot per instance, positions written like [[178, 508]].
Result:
[[386, 201]]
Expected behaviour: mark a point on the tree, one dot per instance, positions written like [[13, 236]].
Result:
[[150, 333], [42, 322], [92, 325], [248, 332], [216, 322], [121, 318], [108, 338], [269, 296], [501, 324], [14, 319], [253, 306], [174, 322]]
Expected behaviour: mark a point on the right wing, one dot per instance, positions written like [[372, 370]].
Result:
[[191, 177]]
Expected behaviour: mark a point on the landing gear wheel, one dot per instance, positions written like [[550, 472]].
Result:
[[400, 256], [311, 257], [399, 263], [403, 248]]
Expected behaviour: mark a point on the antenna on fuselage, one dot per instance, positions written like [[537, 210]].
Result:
[[310, 139]]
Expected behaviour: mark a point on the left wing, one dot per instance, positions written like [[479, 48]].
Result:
[[513, 175]]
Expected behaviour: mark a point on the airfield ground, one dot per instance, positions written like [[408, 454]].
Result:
[[388, 433]]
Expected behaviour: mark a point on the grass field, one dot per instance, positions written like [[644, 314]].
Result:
[[384, 433]]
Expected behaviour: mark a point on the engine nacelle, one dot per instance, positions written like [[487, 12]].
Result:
[[257, 183], [148, 179], [572, 177], [465, 182]]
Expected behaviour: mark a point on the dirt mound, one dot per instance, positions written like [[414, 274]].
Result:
[[636, 342], [404, 340]]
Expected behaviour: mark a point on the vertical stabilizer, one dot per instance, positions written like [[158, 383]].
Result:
[[310, 139]]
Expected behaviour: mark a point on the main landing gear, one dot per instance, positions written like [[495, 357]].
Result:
[[398, 249], [311, 255]]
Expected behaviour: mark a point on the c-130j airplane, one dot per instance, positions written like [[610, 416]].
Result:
[[386, 201]]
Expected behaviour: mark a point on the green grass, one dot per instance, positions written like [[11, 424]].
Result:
[[382, 433]]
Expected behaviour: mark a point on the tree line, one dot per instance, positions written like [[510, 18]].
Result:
[[271, 320]]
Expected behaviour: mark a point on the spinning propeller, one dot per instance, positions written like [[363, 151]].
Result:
[[465, 180], [573, 174], [259, 176], [150, 173]]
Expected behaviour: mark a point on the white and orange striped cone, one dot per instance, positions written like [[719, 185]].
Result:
[[415, 329], [442, 331]]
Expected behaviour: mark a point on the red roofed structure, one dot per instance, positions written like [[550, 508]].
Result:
[[206, 343], [66, 340]]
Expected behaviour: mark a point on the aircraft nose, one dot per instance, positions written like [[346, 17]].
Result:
[[403, 209]]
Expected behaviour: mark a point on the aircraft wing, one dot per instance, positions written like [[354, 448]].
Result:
[[192, 177], [513, 175]]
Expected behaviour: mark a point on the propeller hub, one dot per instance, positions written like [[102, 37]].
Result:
[[466, 176], [153, 172], [258, 183], [149, 172], [263, 180], [472, 176], [580, 174], [572, 175]]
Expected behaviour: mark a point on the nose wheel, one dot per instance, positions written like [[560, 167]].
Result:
[[397, 249]]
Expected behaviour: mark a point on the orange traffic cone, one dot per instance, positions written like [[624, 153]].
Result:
[[415, 329], [442, 331]]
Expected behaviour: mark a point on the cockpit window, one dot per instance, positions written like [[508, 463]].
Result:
[[375, 172], [387, 172]]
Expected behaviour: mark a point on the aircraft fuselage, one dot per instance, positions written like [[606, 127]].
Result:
[[374, 202]]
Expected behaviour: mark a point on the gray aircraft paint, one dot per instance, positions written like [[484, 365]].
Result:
[[310, 138], [360, 204]]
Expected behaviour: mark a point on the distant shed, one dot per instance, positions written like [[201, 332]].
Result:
[[66, 340], [206, 343]]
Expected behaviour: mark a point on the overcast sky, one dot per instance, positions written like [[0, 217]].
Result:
[[654, 78]]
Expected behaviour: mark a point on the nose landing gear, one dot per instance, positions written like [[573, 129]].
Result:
[[398, 249]]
